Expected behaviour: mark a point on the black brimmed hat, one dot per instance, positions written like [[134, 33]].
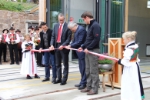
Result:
[[30, 27], [36, 28], [11, 28], [18, 30], [5, 30]]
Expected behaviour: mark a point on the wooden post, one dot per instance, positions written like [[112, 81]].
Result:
[[126, 15], [42, 11]]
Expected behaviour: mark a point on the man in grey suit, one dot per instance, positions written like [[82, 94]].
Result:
[[61, 37]]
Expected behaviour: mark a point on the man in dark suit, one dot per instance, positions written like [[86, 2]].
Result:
[[61, 37], [78, 40], [45, 37]]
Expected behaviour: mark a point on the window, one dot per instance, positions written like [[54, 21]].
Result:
[[55, 9]]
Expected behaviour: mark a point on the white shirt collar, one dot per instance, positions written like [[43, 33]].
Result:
[[130, 43], [61, 24], [11, 33]]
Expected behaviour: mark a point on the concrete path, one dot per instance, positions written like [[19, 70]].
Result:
[[14, 86]]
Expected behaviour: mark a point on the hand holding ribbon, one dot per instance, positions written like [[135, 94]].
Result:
[[96, 54]]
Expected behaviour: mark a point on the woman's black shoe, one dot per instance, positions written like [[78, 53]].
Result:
[[11, 63], [29, 77], [36, 76]]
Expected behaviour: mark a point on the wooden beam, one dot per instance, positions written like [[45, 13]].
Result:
[[126, 14], [42, 10], [34, 10]]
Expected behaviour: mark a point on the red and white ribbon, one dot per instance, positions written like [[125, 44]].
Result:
[[100, 55], [44, 50], [93, 53]]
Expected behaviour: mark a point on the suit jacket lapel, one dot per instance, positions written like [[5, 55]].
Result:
[[57, 28], [64, 28], [76, 33]]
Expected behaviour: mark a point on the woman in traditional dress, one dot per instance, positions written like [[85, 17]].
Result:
[[131, 82], [28, 66]]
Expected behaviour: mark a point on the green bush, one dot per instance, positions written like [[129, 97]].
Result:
[[22, 1], [15, 6], [105, 61]]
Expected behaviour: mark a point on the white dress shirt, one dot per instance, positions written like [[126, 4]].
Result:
[[16, 41]]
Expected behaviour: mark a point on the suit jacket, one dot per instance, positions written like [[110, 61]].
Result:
[[79, 39], [65, 37], [49, 33]]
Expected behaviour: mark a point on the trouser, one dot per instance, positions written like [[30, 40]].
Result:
[[92, 73], [4, 50], [13, 48], [81, 60], [49, 56], [38, 56], [20, 54], [0, 52], [62, 55]]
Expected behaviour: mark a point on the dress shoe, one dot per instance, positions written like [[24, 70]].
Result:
[[54, 81], [85, 90], [36, 76], [46, 79], [42, 65], [77, 85], [63, 83], [29, 77], [91, 92], [17, 63], [11, 63], [0, 63], [57, 81], [50, 67], [81, 87], [5, 61]]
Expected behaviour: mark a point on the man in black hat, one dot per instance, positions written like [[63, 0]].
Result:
[[13, 39], [4, 43], [31, 31], [0, 49], [19, 44], [37, 40]]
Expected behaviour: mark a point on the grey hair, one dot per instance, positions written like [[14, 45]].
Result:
[[72, 24], [61, 15]]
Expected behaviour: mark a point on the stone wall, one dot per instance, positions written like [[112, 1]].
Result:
[[17, 18]]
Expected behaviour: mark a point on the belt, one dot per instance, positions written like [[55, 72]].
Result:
[[26, 50], [133, 60]]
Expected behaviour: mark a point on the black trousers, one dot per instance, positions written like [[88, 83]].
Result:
[[38, 56], [62, 55], [0, 52], [20, 54], [13, 49], [4, 50]]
